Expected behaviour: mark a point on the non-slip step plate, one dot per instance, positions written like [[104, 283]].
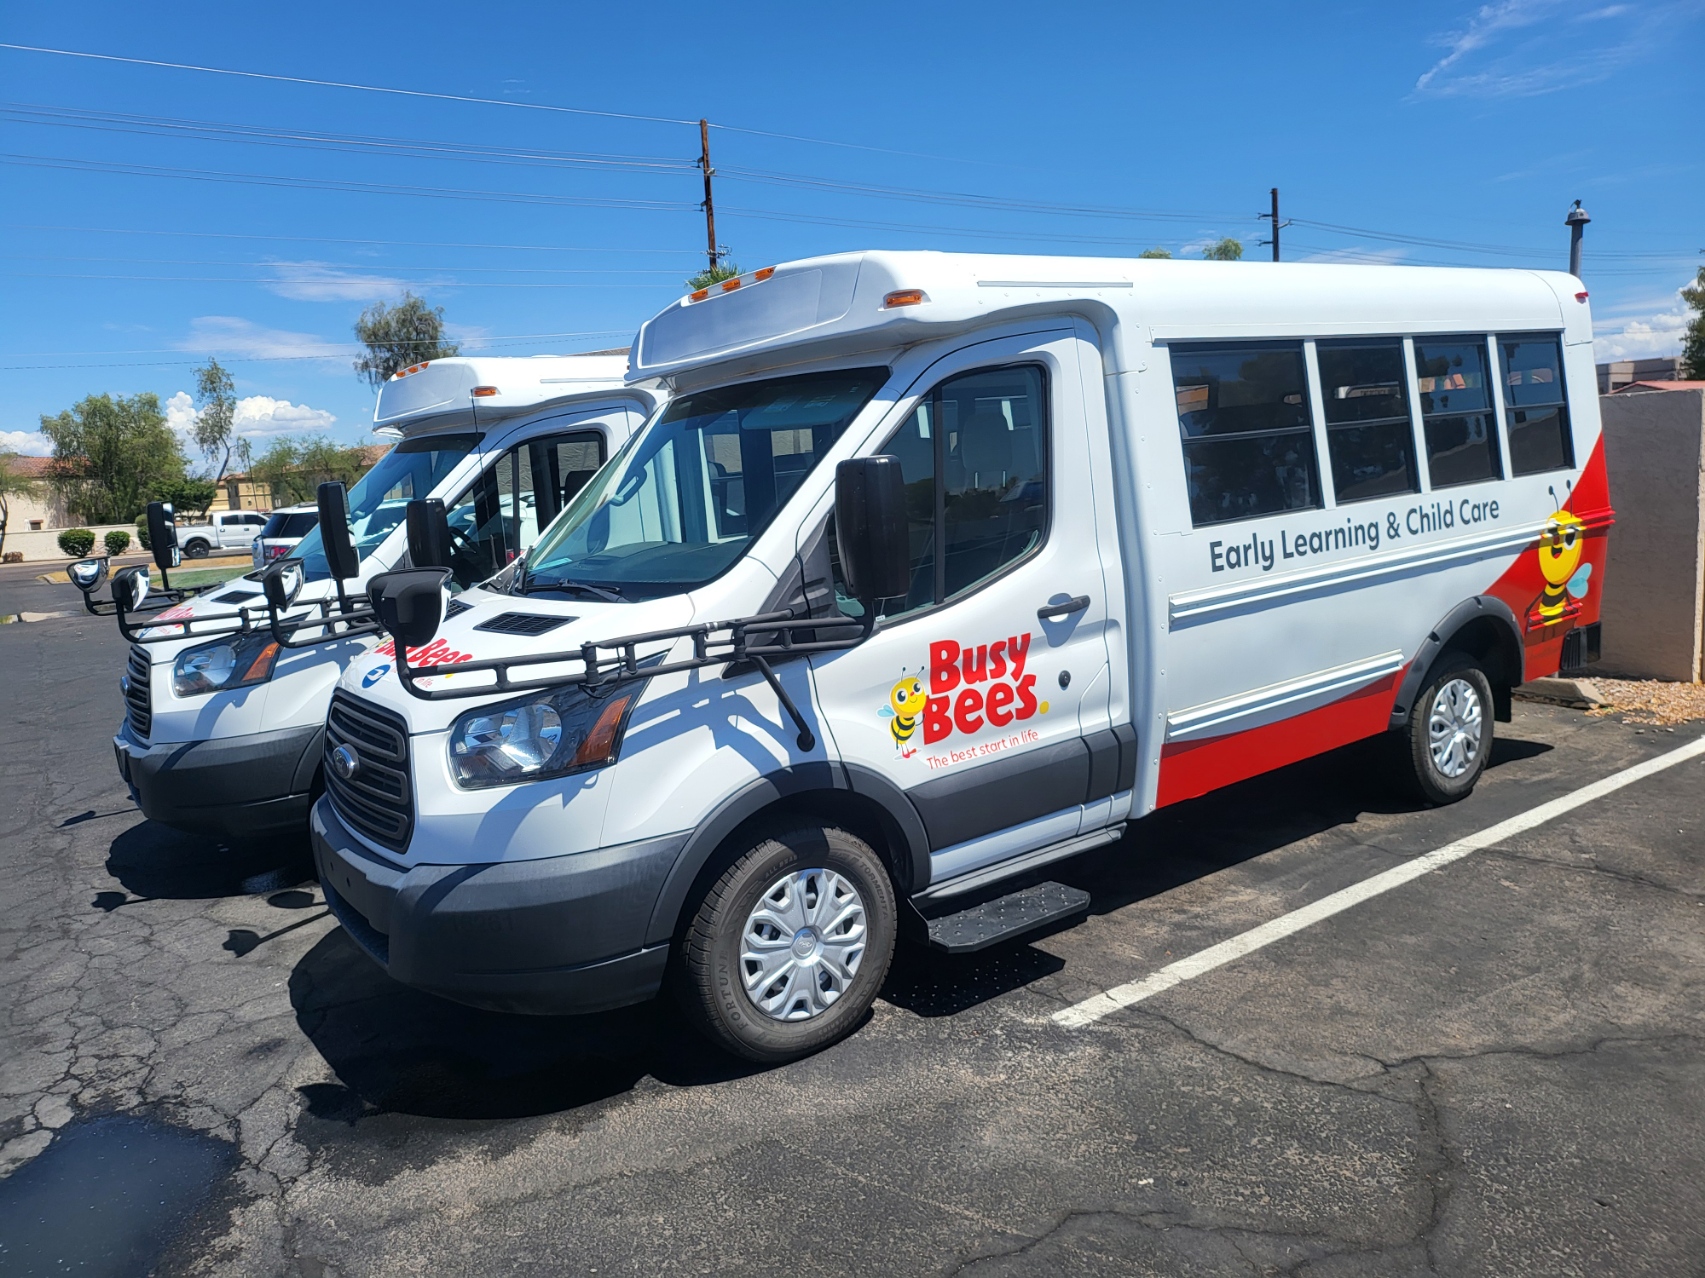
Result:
[[1006, 917]]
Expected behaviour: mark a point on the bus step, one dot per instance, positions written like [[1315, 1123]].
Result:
[[1006, 918]]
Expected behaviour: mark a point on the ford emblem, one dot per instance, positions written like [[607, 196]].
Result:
[[346, 763]]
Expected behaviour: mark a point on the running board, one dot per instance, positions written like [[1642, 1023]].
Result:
[[974, 879], [1006, 918]]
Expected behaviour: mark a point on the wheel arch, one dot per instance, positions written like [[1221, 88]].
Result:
[[854, 798], [1484, 627]]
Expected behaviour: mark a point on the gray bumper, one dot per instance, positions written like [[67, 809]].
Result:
[[256, 784], [560, 935]]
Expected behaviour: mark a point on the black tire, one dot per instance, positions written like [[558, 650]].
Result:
[[711, 981], [1457, 694], [195, 550]]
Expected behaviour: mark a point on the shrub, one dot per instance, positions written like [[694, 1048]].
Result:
[[12, 557], [77, 542], [117, 541], [142, 533]]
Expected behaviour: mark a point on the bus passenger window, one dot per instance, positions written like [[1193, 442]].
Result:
[[1534, 407], [1456, 410], [1248, 435], [1368, 433]]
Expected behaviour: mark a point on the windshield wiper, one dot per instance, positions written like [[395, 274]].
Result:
[[609, 593]]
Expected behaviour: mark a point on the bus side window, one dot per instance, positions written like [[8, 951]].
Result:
[[1247, 432], [1534, 405], [1456, 410], [1368, 433]]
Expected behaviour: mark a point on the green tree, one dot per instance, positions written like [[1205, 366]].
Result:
[[295, 471], [13, 483], [1693, 344], [215, 394], [1155, 252], [112, 455], [398, 336], [1225, 250], [713, 275], [189, 496]]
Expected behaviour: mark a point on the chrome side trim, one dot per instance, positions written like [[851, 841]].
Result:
[[1278, 700], [1194, 606], [975, 879]]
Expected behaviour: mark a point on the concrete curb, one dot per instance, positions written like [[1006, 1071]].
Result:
[[1578, 694]]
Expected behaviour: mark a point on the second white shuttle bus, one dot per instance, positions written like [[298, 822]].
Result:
[[1059, 542]]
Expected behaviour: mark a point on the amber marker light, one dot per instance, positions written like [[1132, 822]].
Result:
[[758, 277], [480, 392], [904, 297]]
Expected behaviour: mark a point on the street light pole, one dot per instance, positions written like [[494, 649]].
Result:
[[1576, 222]]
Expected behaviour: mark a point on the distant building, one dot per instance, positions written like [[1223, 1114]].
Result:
[[1613, 376], [41, 512]]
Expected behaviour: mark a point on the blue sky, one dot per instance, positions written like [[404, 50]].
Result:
[[153, 216]]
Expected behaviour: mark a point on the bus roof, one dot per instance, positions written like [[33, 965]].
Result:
[[854, 302], [497, 386]]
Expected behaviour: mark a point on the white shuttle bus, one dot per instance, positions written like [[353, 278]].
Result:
[[935, 569], [223, 734]]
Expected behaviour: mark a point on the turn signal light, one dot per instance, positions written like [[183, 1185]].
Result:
[[480, 392], [905, 297]]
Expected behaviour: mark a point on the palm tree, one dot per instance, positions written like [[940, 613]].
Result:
[[13, 484]]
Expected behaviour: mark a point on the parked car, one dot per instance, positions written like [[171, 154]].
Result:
[[226, 530], [282, 532]]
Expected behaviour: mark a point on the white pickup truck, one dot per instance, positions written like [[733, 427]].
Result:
[[226, 530]]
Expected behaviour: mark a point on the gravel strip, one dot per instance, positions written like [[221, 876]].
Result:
[[1651, 700]]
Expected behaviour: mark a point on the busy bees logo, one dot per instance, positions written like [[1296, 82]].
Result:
[[1566, 577], [436, 653], [971, 688]]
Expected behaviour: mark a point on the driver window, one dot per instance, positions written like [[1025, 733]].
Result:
[[502, 512], [973, 455]]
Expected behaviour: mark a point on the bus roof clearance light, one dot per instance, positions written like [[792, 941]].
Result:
[[904, 297], [730, 285]]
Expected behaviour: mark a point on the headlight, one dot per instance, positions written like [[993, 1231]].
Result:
[[235, 661], [544, 736]]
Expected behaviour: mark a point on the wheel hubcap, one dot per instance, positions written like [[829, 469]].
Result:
[[802, 944], [1454, 726]]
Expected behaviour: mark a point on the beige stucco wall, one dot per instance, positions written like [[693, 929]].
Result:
[[44, 545], [1654, 580]]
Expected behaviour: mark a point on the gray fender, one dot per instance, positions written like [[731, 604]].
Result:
[[787, 783], [1439, 638]]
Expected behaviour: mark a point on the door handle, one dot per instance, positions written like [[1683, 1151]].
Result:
[[1053, 612]]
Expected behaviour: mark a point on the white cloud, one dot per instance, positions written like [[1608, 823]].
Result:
[[469, 337], [1359, 256], [262, 415], [1645, 338], [233, 336], [317, 282], [31, 443], [1520, 48], [180, 413]]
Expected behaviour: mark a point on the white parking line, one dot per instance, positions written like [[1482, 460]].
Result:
[[1105, 1004]]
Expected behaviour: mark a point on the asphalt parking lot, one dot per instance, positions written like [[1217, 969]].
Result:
[[1492, 1069]]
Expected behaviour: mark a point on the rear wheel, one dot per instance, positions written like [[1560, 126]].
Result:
[[789, 946], [1450, 730], [195, 550]]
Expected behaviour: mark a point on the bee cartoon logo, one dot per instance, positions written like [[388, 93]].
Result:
[[1566, 577], [906, 701]]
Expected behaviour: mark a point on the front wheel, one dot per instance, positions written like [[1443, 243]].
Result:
[[1450, 731], [788, 948]]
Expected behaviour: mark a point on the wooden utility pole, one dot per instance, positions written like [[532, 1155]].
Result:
[[1275, 223], [709, 205]]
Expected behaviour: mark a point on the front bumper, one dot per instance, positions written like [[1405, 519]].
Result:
[[254, 784], [553, 936]]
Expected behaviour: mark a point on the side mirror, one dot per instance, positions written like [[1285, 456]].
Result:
[[163, 535], [334, 532], [409, 604], [282, 582], [870, 527], [130, 586], [88, 574], [428, 533]]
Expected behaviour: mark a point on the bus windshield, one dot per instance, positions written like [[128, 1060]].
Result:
[[684, 499], [376, 504]]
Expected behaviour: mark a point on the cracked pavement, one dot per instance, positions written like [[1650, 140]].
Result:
[[1495, 1069]]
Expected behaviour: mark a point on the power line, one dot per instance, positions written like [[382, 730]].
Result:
[[324, 239], [342, 266]]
